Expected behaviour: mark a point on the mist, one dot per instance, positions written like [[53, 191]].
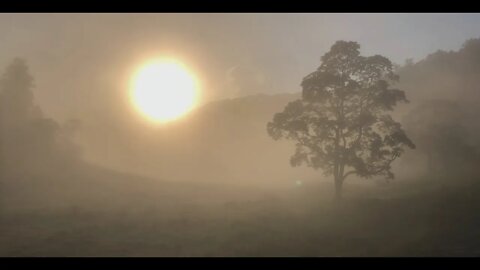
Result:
[[312, 135]]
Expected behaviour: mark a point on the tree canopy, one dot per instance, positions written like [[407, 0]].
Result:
[[341, 124]]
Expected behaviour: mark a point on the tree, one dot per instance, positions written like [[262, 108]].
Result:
[[27, 138], [341, 124], [16, 106], [16, 96]]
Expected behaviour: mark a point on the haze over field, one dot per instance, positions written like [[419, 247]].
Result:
[[239, 134]]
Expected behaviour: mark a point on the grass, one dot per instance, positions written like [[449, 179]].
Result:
[[416, 218]]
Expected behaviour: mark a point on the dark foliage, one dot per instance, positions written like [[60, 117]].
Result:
[[341, 125]]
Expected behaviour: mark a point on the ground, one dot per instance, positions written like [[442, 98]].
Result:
[[414, 218]]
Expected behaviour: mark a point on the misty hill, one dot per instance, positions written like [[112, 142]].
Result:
[[226, 140], [85, 186], [442, 75], [221, 141], [442, 116], [448, 75]]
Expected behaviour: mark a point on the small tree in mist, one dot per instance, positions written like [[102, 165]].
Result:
[[26, 136], [341, 124], [16, 96], [16, 108]]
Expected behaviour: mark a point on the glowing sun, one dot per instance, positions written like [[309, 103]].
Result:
[[164, 90]]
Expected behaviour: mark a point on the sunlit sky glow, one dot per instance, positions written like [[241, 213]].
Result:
[[80, 59], [164, 89]]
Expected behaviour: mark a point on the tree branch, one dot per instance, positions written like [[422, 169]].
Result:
[[349, 173]]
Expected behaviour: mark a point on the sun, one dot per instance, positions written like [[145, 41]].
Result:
[[164, 90]]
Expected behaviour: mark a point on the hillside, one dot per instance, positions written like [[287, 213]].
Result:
[[222, 141]]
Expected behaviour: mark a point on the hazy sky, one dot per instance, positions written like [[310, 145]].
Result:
[[82, 62]]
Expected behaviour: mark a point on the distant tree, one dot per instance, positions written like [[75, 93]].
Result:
[[16, 96], [439, 129], [26, 137], [341, 124], [16, 111], [16, 107]]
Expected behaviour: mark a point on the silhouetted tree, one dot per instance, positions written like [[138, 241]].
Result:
[[341, 124], [27, 137], [16, 94], [32, 147], [16, 108]]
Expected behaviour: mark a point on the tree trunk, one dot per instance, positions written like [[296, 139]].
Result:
[[338, 188]]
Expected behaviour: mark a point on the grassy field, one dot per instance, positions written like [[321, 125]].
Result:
[[142, 218]]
